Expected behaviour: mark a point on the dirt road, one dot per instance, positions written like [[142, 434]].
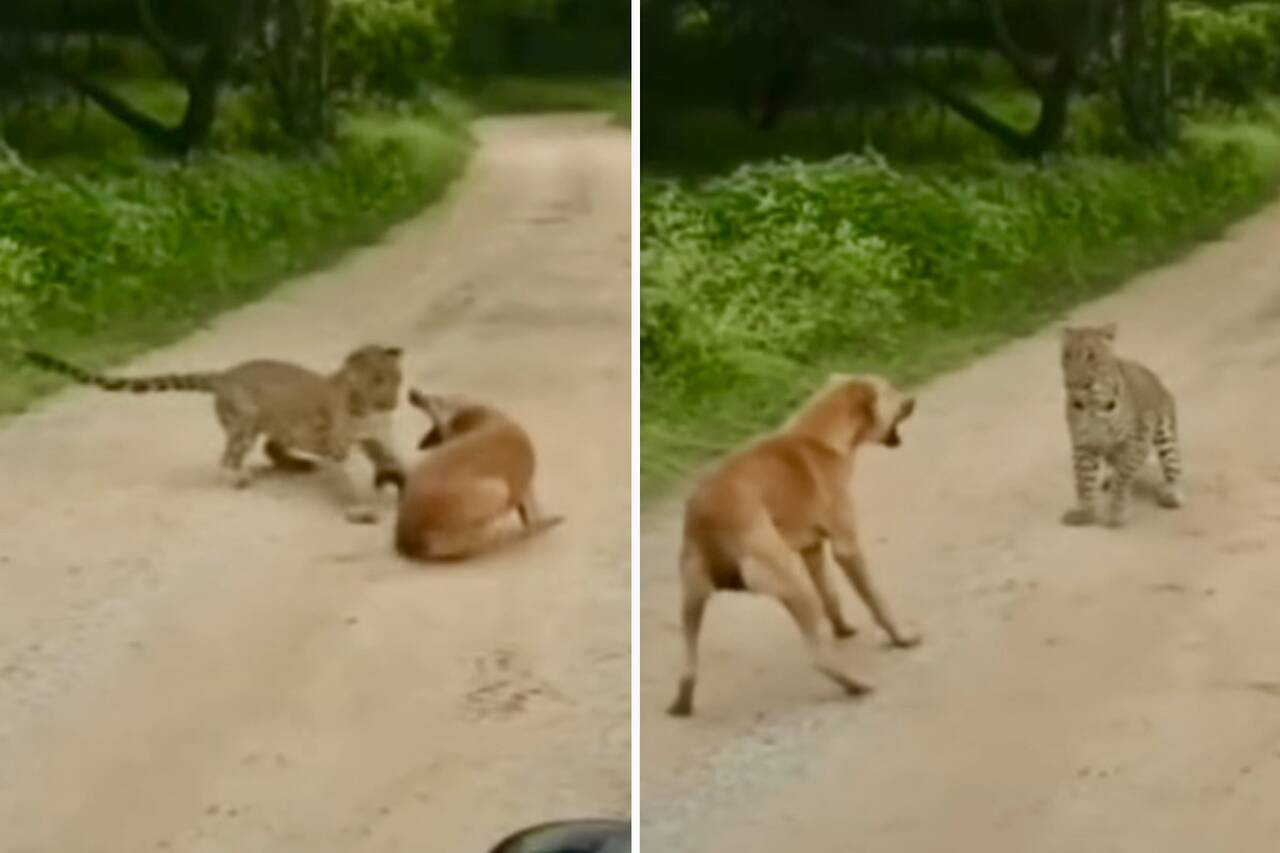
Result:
[[1078, 689], [190, 669]]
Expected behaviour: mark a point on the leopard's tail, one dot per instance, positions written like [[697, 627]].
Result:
[[203, 382]]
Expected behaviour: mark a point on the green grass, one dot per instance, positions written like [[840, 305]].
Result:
[[758, 283], [511, 94], [105, 253]]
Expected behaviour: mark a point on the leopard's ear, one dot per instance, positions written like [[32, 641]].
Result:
[[1109, 331], [393, 352]]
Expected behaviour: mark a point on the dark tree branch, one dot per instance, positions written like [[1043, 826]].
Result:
[[157, 134], [1055, 99], [1007, 135]]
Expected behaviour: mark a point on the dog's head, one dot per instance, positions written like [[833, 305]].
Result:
[[442, 410], [875, 409], [851, 410], [890, 407], [451, 415]]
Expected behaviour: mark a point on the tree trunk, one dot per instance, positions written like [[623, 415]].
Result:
[[204, 79]]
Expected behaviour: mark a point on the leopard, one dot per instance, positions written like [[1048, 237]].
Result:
[[323, 417], [1118, 411]]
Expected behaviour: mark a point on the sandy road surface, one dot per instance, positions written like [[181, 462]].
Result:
[[189, 669], [1078, 689]]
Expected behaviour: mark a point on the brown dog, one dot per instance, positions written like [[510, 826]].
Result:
[[480, 469], [758, 522]]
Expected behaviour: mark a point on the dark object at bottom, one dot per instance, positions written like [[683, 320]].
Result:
[[570, 836]]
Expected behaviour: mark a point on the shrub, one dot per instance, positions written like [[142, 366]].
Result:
[[19, 290], [389, 47], [1230, 55], [88, 249]]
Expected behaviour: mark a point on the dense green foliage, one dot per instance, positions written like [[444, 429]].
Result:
[[394, 47], [1230, 55], [759, 279], [390, 47], [117, 255], [771, 254], [543, 37]]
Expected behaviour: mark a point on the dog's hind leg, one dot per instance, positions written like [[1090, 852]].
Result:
[[697, 593], [456, 545], [531, 513], [814, 562], [773, 568]]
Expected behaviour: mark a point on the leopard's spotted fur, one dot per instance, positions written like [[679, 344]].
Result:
[[1117, 412], [296, 409]]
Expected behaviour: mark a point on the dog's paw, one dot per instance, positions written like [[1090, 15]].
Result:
[[682, 705], [546, 522], [856, 689], [907, 639], [843, 631]]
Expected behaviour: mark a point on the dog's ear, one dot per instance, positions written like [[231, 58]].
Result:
[[908, 407], [861, 398]]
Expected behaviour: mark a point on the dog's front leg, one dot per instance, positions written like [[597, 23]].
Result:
[[849, 556]]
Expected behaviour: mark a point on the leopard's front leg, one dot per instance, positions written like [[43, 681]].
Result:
[[1126, 461], [1087, 464]]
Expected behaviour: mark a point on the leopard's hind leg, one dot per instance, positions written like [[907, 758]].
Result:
[[239, 423], [1169, 454]]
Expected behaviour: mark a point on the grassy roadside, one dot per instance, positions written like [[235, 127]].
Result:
[[936, 267], [105, 253], [103, 258]]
